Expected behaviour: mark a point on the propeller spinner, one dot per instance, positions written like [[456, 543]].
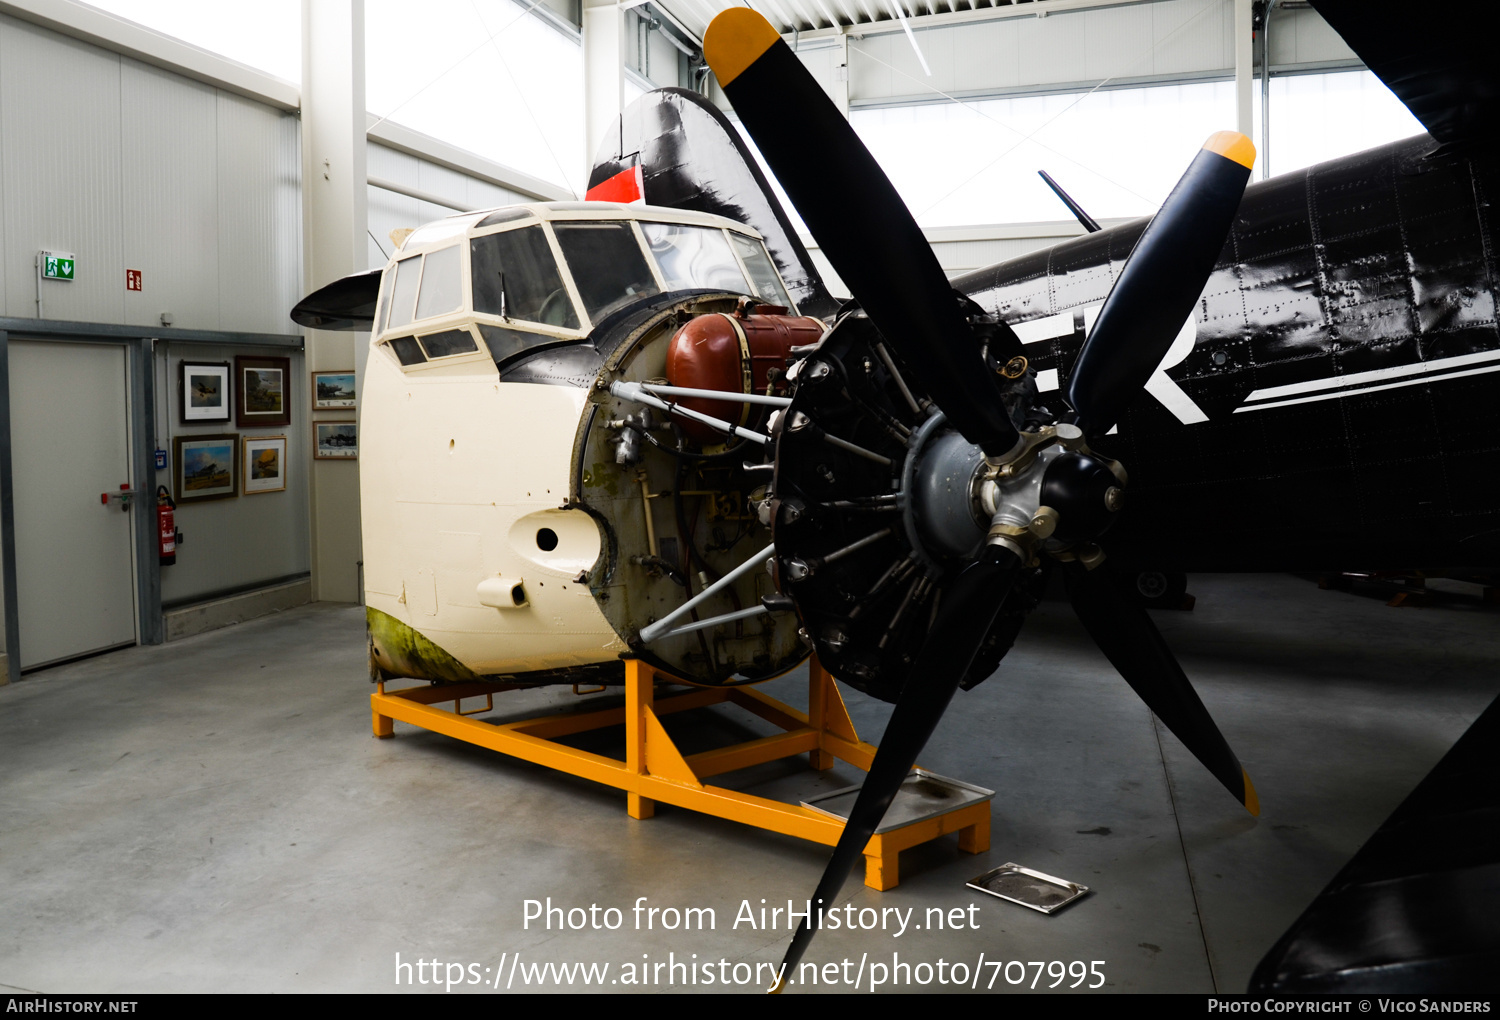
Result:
[[912, 510]]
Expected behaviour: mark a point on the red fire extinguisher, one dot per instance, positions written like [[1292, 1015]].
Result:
[[166, 527]]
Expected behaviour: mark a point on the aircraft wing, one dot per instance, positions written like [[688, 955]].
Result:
[[347, 304], [1445, 74]]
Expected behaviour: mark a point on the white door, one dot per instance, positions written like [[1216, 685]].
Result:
[[70, 441]]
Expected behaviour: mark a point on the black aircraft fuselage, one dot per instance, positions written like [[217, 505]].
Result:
[[1340, 404]]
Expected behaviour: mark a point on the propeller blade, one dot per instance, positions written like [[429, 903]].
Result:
[[1130, 641], [861, 223], [970, 603], [1162, 280]]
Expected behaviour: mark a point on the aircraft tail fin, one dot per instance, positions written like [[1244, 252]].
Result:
[[689, 156]]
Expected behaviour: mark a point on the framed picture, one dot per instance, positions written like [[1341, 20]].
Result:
[[203, 391], [332, 390], [262, 391], [335, 440], [204, 467], [263, 467]]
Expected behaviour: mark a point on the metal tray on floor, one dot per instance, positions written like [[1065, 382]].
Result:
[[923, 795], [1045, 893]]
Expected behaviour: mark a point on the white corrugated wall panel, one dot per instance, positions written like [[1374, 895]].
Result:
[[1303, 37], [1191, 36], [391, 165], [870, 74], [60, 118], [387, 210], [441, 182], [169, 171], [1051, 49], [986, 56], [1117, 42], [260, 216], [939, 48], [484, 195]]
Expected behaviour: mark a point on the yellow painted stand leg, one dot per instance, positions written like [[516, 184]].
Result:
[[976, 838], [882, 869], [640, 694], [383, 725]]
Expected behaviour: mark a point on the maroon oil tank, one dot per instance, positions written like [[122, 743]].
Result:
[[735, 352]]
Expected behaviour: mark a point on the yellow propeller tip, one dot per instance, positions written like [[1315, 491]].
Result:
[[1229, 144], [735, 39], [781, 981], [1252, 802]]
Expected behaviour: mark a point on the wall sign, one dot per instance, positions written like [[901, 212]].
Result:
[[132, 279], [56, 265]]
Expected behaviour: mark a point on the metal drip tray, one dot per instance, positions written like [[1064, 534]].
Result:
[[923, 795], [1033, 889]]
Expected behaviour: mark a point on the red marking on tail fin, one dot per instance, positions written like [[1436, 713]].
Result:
[[626, 186]]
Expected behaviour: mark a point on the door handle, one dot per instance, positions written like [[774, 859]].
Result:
[[123, 496]]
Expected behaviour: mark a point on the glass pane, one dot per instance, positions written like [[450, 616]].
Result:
[[505, 342], [442, 289], [694, 257], [448, 342], [404, 294], [383, 305], [767, 285], [516, 276], [407, 351], [607, 264], [504, 216]]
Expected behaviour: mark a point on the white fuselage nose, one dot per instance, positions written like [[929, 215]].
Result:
[[462, 483]]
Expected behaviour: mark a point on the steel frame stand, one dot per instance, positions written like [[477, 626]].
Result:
[[655, 770]]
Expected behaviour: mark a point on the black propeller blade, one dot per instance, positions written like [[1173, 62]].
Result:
[[970, 602], [1130, 641], [867, 234], [1161, 281]]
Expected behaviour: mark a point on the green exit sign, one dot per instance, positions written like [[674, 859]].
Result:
[[57, 265]]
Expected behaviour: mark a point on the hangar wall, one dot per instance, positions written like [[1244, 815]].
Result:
[[124, 151], [1149, 43], [129, 166]]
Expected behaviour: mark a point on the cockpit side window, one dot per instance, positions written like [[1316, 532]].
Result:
[[442, 288], [404, 293], [607, 263], [515, 276], [763, 278], [694, 257]]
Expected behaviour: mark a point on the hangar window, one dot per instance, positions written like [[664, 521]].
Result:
[[607, 264], [694, 257], [515, 276], [763, 278], [442, 290]]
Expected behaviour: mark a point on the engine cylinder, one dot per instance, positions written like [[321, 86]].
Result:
[[735, 353]]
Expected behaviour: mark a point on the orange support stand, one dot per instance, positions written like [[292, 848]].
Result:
[[655, 770]]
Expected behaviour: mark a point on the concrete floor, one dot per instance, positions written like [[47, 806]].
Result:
[[213, 815]]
